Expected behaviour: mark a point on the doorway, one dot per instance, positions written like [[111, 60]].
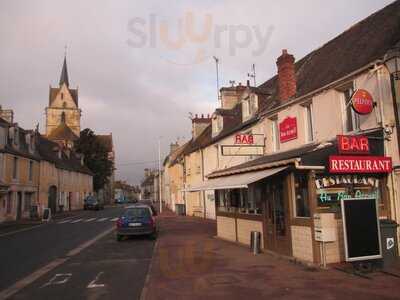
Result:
[[52, 199], [277, 229], [19, 205]]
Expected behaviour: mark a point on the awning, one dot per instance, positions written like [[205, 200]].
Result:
[[235, 181]]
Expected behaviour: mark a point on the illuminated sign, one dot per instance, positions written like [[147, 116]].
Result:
[[353, 144], [288, 130], [360, 164], [362, 102]]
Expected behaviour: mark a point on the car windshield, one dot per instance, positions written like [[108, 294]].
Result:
[[138, 212], [90, 200]]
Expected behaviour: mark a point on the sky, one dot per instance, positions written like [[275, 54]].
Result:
[[143, 66]]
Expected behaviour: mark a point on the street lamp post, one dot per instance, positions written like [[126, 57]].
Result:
[[159, 173]]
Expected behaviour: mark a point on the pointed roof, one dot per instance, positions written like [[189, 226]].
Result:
[[62, 133], [64, 73]]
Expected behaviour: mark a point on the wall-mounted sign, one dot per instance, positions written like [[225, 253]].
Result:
[[362, 102], [329, 198], [360, 164], [288, 129], [243, 144], [353, 144], [244, 139], [342, 180]]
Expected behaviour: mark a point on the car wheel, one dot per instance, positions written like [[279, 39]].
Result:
[[119, 237]]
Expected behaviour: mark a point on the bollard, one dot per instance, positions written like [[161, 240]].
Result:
[[255, 242]]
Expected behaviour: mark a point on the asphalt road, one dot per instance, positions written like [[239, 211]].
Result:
[[106, 269]]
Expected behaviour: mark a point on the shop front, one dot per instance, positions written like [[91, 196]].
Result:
[[297, 207]]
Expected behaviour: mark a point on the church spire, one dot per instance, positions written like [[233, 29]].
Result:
[[64, 73]]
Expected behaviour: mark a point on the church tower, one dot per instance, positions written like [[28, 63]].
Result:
[[63, 116]]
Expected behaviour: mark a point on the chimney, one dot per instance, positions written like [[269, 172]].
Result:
[[286, 76], [146, 172], [230, 96], [199, 124], [173, 147], [7, 114]]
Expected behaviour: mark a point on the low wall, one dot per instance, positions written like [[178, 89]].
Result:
[[245, 227], [302, 244], [226, 228]]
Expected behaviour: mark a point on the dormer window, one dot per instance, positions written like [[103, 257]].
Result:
[[217, 125], [249, 107], [62, 96]]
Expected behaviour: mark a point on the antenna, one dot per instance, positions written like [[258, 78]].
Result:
[[217, 69], [232, 83], [253, 74], [65, 50]]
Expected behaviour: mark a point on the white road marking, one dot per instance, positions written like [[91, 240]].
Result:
[[65, 221], [24, 282], [89, 220], [101, 220], [114, 219], [93, 283], [76, 221], [58, 279]]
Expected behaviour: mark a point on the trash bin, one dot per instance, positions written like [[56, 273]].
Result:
[[389, 242], [255, 242]]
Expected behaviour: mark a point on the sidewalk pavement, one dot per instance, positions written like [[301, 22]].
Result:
[[190, 263]]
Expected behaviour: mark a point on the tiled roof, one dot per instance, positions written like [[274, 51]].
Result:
[[62, 133], [48, 151], [54, 91], [363, 43]]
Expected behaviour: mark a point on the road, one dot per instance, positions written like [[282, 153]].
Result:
[[74, 258]]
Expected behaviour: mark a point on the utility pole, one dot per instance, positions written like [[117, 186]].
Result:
[[253, 74], [217, 69], [159, 173]]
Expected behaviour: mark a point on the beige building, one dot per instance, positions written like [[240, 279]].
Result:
[[19, 171], [293, 119]]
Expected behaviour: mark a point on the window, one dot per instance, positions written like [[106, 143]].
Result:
[[351, 119], [15, 168], [275, 134], [27, 201], [309, 123], [30, 170], [302, 209], [62, 97], [9, 203], [3, 136], [244, 201]]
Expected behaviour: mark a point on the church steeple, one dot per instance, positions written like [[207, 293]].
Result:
[[64, 73]]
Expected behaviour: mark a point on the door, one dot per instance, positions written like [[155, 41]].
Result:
[[19, 205], [52, 201], [277, 237]]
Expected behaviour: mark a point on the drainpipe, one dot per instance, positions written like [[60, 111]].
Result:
[[391, 185], [202, 178]]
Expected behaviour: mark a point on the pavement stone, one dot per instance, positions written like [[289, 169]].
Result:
[[190, 263]]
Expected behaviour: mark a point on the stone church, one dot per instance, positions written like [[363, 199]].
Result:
[[63, 115]]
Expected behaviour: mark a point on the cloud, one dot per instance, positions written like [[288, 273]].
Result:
[[142, 93]]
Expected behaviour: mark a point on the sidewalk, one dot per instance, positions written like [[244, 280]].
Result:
[[189, 263]]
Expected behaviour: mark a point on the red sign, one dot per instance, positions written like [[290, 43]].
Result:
[[288, 130], [360, 164], [244, 139], [353, 144], [362, 102]]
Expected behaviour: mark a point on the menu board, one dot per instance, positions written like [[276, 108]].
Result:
[[361, 229]]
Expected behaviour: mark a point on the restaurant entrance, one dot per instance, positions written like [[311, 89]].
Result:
[[277, 229]]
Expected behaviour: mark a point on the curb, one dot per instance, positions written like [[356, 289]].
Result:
[[143, 294]]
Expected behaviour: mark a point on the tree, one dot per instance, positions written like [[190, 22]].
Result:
[[95, 158]]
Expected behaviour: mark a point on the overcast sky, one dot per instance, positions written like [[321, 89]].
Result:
[[142, 66]]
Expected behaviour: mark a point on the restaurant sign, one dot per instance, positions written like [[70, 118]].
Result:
[[360, 164], [348, 144], [362, 102], [288, 129]]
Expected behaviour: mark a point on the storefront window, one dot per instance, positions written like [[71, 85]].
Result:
[[245, 201], [301, 196]]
